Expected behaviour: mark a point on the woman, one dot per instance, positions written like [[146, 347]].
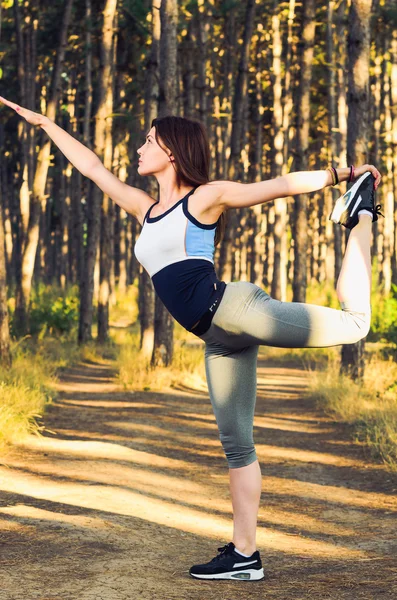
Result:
[[176, 247]]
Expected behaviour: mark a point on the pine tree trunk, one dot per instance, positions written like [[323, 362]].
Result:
[[25, 35], [5, 353], [146, 300], [287, 91], [341, 135], [358, 48], [393, 102], [227, 260], [388, 193], [94, 211], [332, 194], [279, 279], [163, 322], [256, 266], [107, 210], [303, 111]]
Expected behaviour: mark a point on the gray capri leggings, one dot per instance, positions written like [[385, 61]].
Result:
[[248, 317]]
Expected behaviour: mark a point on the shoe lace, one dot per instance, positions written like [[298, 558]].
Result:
[[377, 210], [222, 551]]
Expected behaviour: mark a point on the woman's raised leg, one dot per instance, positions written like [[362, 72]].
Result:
[[354, 282], [249, 316]]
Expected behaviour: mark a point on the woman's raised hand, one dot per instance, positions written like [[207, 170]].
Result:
[[30, 116], [358, 171]]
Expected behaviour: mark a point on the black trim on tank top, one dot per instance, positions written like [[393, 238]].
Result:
[[147, 212], [154, 219], [193, 220]]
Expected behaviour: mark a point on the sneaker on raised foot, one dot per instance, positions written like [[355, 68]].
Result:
[[229, 564], [361, 196]]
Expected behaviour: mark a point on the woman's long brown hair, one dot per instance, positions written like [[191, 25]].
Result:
[[188, 141]]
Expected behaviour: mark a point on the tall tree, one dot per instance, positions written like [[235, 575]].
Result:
[[302, 148], [333, 155], [163, 322], [279, 279], [94, 213], [5, 353], [358, 47], [146, 291], [107, 208], [234, 168], [393, 102]]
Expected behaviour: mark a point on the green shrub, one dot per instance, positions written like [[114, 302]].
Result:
[[52, 311], [25, 390], [384, 317]]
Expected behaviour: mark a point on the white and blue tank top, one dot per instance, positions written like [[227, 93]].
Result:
[[178, 253]]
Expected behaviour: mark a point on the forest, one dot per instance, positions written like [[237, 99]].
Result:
[[92, 365], [279, 86], [286, 87]]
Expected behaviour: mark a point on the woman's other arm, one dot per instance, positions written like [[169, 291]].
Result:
[[232, 194]]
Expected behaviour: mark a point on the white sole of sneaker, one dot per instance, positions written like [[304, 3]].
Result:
[[246, 575], [341, 205]]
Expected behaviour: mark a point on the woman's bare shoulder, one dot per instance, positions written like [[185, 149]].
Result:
[[204, 204]]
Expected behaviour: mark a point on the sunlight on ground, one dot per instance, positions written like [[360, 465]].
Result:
[[28, 513], [329, 494], [104, 450], [158, 430], [289, 425], [117, 500], [110, 404], [305, 456]]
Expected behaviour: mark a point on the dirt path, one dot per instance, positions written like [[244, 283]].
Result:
[[128, 490]]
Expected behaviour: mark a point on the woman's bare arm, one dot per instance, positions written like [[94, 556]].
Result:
[[231, 194], [133, 200]]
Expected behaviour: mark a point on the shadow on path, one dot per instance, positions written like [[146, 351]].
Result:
[[126, 490]]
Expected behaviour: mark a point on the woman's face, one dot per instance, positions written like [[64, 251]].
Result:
[[152, 158]]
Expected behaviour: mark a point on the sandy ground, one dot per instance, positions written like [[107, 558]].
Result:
[[128, 489]]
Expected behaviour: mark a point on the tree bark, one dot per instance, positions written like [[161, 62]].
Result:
[[234, 167], [341, 133], [303, 112], [358, 48], [94, 211], [107, 209], [393, 102], [279, 279], [163, 322], [5, 353], [146, 299]]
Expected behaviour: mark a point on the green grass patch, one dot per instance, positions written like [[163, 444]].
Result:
[[187, 368], [369, 407], [27, 388]]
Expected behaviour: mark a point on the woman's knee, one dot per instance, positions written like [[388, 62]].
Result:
[[238, 455], [362, 322]]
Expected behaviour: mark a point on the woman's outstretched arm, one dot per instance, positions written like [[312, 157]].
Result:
[[232, 194], [131, 199], [79, 155]]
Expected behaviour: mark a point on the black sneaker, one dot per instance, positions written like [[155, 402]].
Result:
[[230, 565], [361, 196]]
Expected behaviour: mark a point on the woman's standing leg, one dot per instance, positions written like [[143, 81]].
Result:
[[245, 489], [231, 377]]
